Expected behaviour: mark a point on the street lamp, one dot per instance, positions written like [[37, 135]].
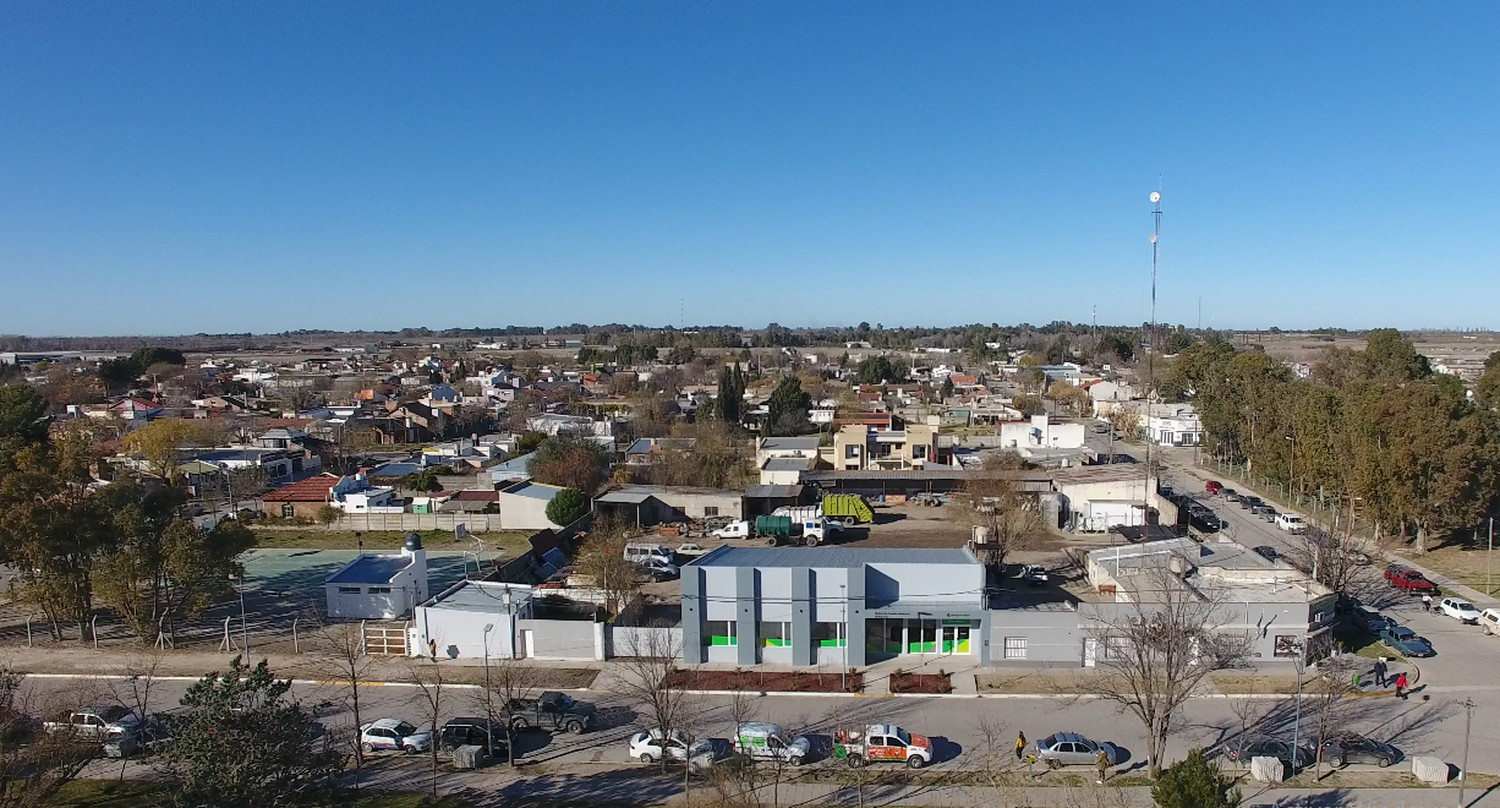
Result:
[[1291, 470], [1300, 648], [843, 639], [489, 720]]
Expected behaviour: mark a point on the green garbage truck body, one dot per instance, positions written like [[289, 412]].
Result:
[[851, 509]]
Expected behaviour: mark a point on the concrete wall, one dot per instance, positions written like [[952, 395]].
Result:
[[630, 640], [562, 639], [1053, 638], [694, 504], [460, 634], [924, 583], [474, 522], [523, 513]]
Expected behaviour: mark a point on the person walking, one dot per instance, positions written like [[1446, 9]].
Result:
[[432, 649], [1380, 671], [1102, 764], [1427, 603], [1020, 745], [1401, 686]]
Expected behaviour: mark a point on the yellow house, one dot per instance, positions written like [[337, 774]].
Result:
[[856, 447]]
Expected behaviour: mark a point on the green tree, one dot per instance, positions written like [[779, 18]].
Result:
[[243, 742], [571, 461], [1487, 390], [425, 480], [788, 407], [878, 370], [567, 507], [23, 417], [1194, 783]]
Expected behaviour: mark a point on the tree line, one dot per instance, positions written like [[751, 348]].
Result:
[[1376, 430], [79, 546]]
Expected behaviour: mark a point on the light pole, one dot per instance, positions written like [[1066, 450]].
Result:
[[1301, 660], [1489, 590], [843, 639], [244, 629], [489, 720], [1463, 773]]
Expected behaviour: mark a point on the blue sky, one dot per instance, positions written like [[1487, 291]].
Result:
[[225, 167]]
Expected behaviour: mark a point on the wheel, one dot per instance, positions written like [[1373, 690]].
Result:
[[369, 749], [1341, 762], [796, 761], [575, 727], [914, 763], [519, 725], [1383, 762], [771, 542], [1053, 763], [1486, 629], [810, 541], [855, 761], [648, 758], [409, 749], [850, 521]]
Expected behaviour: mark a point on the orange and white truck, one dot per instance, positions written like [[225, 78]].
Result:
[[879, 743]]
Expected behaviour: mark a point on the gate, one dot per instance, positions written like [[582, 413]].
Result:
[[385, 639]]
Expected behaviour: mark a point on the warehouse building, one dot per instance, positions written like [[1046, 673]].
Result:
[[833, 606]]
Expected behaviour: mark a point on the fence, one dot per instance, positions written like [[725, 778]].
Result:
[[475, 522], [388, 640]]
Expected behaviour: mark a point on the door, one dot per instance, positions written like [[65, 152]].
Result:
[[528, 643], [956, 639], [1090, 652], [921, 636]]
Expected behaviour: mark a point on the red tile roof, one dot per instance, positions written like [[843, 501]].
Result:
[[475, 495], [312, 489]]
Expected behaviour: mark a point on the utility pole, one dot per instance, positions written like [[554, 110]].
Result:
[[1489, 590], [1151, 355], [1463, 772]]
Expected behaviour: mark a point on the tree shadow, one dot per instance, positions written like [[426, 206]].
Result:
[[1332, 798]]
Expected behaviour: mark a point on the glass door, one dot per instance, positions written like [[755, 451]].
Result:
[[956, 639], [921, 636]]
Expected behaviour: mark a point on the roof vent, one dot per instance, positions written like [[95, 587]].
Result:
[[413, 542]]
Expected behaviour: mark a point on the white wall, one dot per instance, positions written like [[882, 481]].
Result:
[[460, 634], [523, 513]]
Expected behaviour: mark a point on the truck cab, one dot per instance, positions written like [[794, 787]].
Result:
[[882, 743]]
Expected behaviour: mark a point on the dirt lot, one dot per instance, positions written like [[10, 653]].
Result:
[[508, 542], [766, 681], [1438, 345]]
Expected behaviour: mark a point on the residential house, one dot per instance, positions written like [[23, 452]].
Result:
[[859, 447], [1174, 425], [136, 409], [648, 451], [1042, 432], [303, 498], [523, 506], [355, 494], [646, 505], [379, 587], [785, 447], [1093, 499]]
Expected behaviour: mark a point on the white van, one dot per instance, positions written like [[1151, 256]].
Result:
[[761, 740], [1489, 620], [644, 552], [1291, 522]]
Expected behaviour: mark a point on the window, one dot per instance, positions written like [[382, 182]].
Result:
[[851, 452], [919, 452], [719, 632], [1286, 645], [707, 511], [348, 590], [1015, 647], [287, 511], [378, 590], [774, 635], [829, 635]]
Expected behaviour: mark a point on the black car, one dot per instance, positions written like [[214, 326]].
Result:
[[1341, 750], [1267, 552], [1271, 747], [1231, 494], [1248, 502], [488, 735], [1166, 492]]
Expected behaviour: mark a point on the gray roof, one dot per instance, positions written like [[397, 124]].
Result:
[[789, 444], [370, 569], [788, 464], [477, 596], [627, 496], [850, 557], [773, 491], [640, 446], [533, 490]]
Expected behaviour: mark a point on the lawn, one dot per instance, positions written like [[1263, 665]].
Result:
[[135, 794], [1041, 681], [510, 543], [1463, 559]]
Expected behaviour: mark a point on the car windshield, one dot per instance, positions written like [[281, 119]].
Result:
[[404, 729], [903, 736], [564, 702]]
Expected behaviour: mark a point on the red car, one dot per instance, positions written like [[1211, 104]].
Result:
[[1407, 580], [1213, 487]]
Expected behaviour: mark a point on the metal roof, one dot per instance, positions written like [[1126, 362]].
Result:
[[918, 475], [789, 444], [850, 557], [624, 496], [480, 596], [773, 491], [788, 463], [533, 490], [370, 569]]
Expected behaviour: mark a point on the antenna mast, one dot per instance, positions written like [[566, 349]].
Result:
[[1151, 353]]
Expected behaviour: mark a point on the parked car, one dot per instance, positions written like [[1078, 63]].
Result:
[[1165, 492], [394, 735], [1291, 522], [150, 738], [1489, 620], [658, 570], [1205, 520], [483, 733], [1213, 486], [654, 745], [762, 740], [1349, 747], [1271, 747], [1266, 512], [1371, 620], [1070, 748], [690, 550], [1460, 610], [551, 711], [641, 552], [1248, 502], [1408, 580], [1267, 552], [1231, 495], [879, 743], [90, 723], [1406, 642]]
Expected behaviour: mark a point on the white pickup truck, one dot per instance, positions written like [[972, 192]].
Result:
[[90, 723]]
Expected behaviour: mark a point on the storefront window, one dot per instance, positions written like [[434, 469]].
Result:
[[719, 632], [829, 635], [774, 635]]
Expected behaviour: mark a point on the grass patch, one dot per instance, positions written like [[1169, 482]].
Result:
[[1363, 643], [135, 794], [1381, 778], [1462, 559], [509, 543], [1246, 683]]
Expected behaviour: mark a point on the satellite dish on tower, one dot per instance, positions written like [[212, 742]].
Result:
[[1156, 196]]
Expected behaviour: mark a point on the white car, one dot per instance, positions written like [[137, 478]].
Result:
[[394, 735], [1291, 522], [691, 550], [649, 747], [1460, 610]]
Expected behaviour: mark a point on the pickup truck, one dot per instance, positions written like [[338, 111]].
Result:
[[551, 711], [881, 743], [776, 530], [1408, 580], [94, 723]]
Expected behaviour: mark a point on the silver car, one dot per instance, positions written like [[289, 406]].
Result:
[[1072, 749]]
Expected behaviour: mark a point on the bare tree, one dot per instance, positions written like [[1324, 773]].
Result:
[[136, 687], [346, 664], [1340, 562], [1158, 648], [602, 561], [1008, 519], [33, 768], [647, 672], [506, 681], [1332, 685], [431, 688]]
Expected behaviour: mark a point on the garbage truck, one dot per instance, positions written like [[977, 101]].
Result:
[[776, 530], [851, 509]]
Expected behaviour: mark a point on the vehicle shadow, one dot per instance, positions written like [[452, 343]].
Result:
[[944, 750]]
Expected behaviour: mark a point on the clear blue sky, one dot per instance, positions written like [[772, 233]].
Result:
[[185, 167]]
